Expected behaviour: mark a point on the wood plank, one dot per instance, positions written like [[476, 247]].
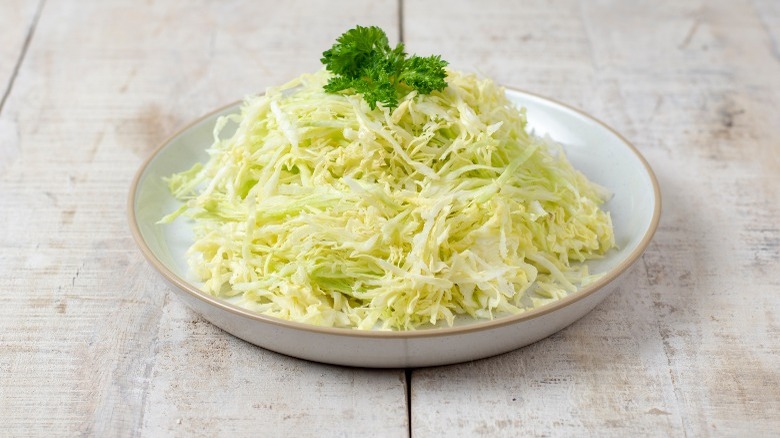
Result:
[[690, 345], [92, 341]]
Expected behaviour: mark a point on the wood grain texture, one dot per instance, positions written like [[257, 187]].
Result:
[[18, 20], [91, 341], [690, 346]]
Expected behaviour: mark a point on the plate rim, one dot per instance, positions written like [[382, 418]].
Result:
[[481, 325]]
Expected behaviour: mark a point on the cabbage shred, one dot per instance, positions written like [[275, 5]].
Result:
[[321, 210]]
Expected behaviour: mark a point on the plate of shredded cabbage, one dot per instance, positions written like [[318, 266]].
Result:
[[449, 226]]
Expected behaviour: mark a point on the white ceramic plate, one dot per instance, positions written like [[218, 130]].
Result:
[[599, 152]]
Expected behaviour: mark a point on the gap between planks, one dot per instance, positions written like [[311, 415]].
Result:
[[401, 21], [22, 54]]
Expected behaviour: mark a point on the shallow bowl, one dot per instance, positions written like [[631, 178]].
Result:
[[603, 155]]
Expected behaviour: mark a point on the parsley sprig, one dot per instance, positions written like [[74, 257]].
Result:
[[363, 62]]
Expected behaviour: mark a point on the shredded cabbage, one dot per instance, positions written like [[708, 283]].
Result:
[[323, 211]]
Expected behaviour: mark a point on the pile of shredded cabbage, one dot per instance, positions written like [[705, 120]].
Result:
[[323, 211]]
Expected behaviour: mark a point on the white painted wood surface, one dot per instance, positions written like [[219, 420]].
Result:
[[92, 342], [692, 346]]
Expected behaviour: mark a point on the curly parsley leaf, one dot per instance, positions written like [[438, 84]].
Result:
[[363, 62]]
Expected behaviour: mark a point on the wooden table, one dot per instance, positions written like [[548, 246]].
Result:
[[92, 342]]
